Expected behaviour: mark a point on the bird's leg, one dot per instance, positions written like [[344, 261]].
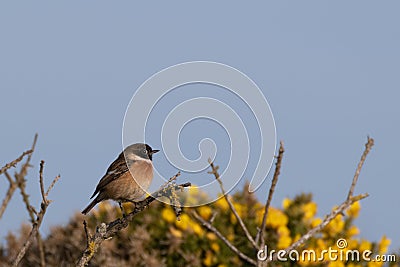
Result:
[[122, 209]]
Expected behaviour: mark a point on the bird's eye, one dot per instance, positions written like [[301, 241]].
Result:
[[145, 151]]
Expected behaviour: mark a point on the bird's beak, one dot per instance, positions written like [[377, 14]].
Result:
[[155, 151]]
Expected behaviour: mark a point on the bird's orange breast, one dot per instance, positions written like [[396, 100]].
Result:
[[132, 185]]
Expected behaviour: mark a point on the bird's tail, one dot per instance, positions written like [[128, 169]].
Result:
[[90, 206]]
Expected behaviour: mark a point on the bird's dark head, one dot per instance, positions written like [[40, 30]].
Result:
[[142, 150]]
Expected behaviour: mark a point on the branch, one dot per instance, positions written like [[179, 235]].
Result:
[[36, 225], [9, 194], [241, 223], [322, 225], [346, 204], [41, 181], [106, 231], [211, 228], [20, 179], [172, 179], [17, 182], [278, 164], [368, 146], [15, 161]]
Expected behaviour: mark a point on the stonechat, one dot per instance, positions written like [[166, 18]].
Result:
[[128, 177]]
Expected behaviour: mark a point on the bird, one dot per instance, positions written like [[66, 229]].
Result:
[[128, 178]]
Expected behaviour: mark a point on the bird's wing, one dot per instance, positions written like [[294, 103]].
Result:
[[116, 169]]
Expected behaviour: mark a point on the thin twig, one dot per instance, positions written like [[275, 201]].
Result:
[[9, 178], [325, 222], [44, 200], [15, 161], [28, 243], [278, 164], [13, 185], [171, 179], [25, 197], [34, 232], [9, 194], [41, 181], [88, 236], [368, 146], [241, 223], [21, 182], [105, 231], [211, 228], [26, 165]]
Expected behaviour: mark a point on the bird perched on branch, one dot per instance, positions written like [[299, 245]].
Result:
[[128, 177]]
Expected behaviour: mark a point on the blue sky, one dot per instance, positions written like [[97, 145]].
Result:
[[329, 70]]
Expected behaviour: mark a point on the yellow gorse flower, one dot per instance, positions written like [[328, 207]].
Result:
[[211, 236], [352, 231], [208, 260], [309, 209], [276, 218], [374, 264], [383, 245], [354, 209], [283, 230], [184, 223], [240, 209], [286, 203], [315, 222], [336, 263], [205, 212], [197, 229], [222, 204], [284, 242], [365, 245], [168, 215], [105, 207], [215, 246], [336, 225], [175, 232]]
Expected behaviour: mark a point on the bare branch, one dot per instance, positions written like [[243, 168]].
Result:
[[21, 182], [106, 231], [41, 181], [15, 161], [44, 200], [211, 228], [35, 231], [346, 204], [9, 178], [323, 224], [51, 186], [278, 164], [35, 217], [170, 180], [241, 223], [26, 165], [9, 194], [88, 236], [368, 146], [25, 197], [13, 184]]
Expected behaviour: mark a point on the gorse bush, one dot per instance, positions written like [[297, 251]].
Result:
[[156, 238]]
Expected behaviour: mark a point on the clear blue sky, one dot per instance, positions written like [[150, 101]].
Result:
[[330, 71]]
